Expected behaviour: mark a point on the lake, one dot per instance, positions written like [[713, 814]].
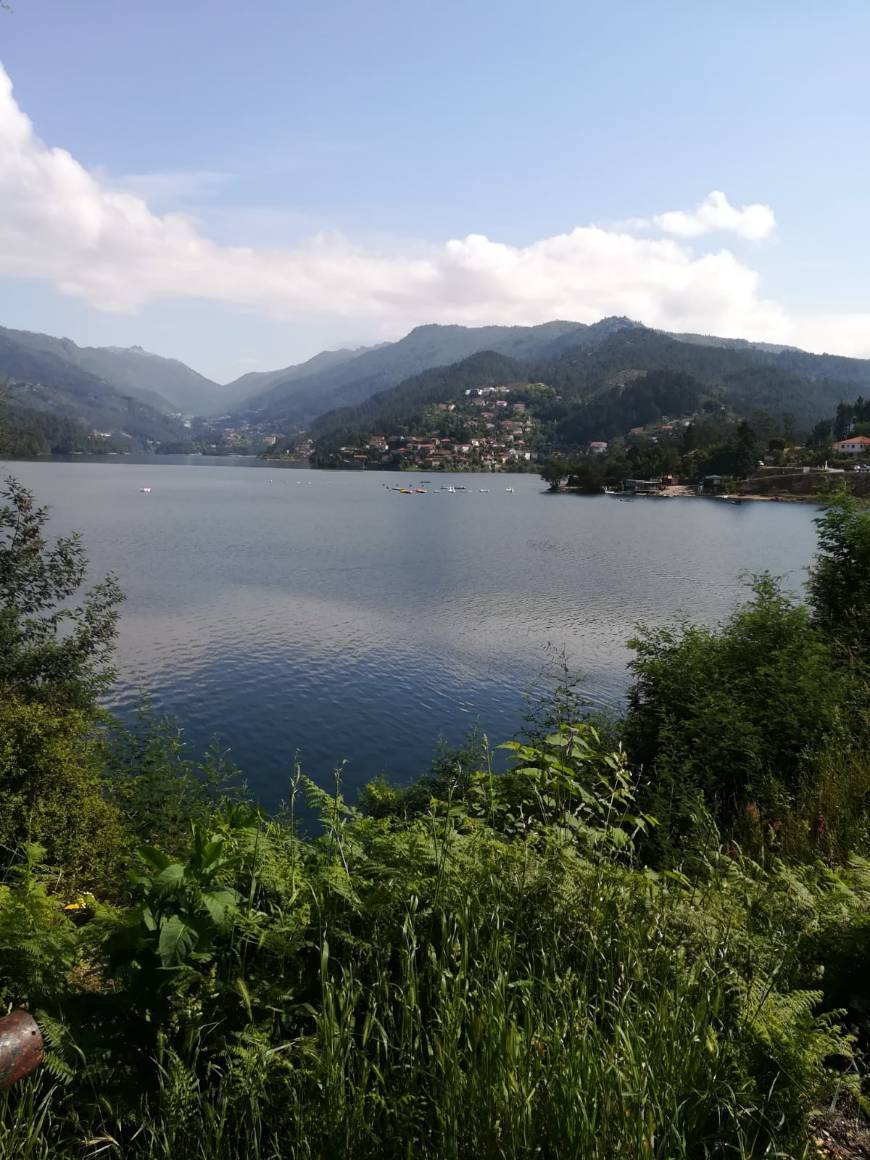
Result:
[[293, 610]]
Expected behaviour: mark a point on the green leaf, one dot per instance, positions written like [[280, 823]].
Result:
[[211, 853], [155, 858], [177, 942], [219, 903], [245, 995], [170, 877]]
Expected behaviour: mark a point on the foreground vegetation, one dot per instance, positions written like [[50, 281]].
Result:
[[644, 939]]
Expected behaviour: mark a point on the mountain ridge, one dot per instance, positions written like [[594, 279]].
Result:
[[129, 389], [590, 377], [423, 348], [167, 384]]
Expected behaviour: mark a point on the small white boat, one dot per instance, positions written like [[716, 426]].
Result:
[[147, 490], [484, 490], [509, 490]]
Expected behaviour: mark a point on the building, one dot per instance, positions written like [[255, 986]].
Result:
[[854, 445], [597, 447], [643, 486]]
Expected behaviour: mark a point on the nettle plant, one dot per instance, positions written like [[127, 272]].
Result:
[[569, 779], [184, 912]]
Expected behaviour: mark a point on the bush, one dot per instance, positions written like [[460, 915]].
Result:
[[743, 722], [52, 793]]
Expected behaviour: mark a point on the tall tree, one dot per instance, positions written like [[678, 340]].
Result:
[[839, 582], [52, 649]]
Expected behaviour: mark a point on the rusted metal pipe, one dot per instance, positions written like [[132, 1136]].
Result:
[[21, 1047]]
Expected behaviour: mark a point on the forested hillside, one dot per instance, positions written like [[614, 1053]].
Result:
[[37, 379], [297, 403], [163, 383], [632, 376], [250, 386], [26, 432]]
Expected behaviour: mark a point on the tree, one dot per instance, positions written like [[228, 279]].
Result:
[[554, 472], [746, 448], [821, 434], [51, 650], [51, 790], [743, 717], [839, 581]]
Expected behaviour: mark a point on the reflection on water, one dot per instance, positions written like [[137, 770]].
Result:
[[320, 612]]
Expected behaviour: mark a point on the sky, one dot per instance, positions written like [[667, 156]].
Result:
[[240, 186]]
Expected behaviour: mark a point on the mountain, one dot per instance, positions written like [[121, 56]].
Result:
[[163, 383], [295, 402], [400, 405], [614, 375], [36, 377], [28, 432], [258, 382]]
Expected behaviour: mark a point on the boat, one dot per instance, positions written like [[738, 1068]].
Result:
[[484, 490], [419, 491], [509, 489], [609, 490], [147, 490]]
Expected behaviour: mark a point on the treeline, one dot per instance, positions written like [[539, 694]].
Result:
[[717, 443], [645, 938], [851, 419], [25, 432]]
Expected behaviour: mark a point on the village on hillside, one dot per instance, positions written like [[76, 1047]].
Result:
[[490, 428]]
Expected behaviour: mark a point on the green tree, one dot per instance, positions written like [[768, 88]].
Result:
[[839, 582], [51, 649], [51, 791], [554, 472], [746, 450], [740, 718]]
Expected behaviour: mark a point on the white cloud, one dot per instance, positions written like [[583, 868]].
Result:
[[715, 213], [104, 244]]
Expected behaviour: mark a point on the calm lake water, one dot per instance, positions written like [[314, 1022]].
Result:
[[287, 610]]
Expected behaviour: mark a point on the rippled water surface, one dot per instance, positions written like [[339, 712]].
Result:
[[296, 610]]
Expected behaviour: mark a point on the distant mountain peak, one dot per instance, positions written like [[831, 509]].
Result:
[[163, 383], [614, 322]]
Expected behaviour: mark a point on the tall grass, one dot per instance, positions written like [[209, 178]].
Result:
[[493, 978]]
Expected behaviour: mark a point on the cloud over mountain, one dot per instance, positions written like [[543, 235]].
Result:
[[716, 213], [104, 244]]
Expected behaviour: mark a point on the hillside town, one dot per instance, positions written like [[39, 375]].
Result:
[[489, 428]]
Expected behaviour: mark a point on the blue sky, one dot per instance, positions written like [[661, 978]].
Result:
[[345, 146]]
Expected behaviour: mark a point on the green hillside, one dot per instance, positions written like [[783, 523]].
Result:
[[631, 376]]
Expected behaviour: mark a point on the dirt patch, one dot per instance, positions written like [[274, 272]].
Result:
[[841, 1135]]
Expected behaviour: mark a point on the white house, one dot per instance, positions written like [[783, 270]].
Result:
[[854, 445]]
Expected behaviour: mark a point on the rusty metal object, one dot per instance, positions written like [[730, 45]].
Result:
[[21, 1047]]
